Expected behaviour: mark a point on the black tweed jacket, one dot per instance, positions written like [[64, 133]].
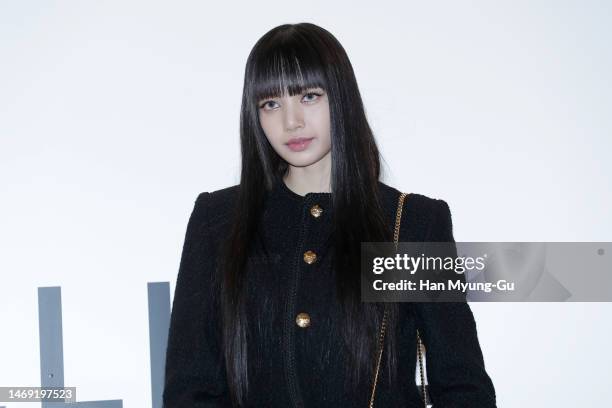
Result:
[[294, 366]]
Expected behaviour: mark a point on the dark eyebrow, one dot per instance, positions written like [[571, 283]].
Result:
[[303, 91]]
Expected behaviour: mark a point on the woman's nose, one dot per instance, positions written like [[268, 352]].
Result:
[[294, 116]]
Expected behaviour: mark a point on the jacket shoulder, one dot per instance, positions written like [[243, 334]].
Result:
[[421, 204], [423, 217], [217, 204]]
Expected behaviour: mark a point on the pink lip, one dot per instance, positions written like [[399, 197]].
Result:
[[298, 144]]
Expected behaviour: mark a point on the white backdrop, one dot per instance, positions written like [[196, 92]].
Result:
[[115, 115]]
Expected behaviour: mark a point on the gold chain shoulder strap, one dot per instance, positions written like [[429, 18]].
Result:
[[383, 326]]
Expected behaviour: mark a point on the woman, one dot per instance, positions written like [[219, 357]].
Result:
[[267, 309]]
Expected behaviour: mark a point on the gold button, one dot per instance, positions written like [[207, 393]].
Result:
[[309, 257], [303, 320], [316, 211]]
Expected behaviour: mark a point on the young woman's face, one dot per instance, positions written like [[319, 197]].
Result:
[[297, 126]]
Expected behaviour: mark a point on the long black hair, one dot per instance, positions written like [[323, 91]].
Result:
[[292, 58]]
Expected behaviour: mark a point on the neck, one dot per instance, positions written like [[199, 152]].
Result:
[[315, 178]]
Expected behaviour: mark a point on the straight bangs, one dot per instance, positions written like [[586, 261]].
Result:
[[288, 69]]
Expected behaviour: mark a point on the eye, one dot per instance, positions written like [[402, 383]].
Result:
[[266, 104], [312, 96]]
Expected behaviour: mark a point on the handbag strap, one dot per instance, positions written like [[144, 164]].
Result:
[[421, 370], [383, 326]]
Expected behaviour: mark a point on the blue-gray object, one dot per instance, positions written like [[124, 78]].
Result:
[[51, 348], [159, 323]]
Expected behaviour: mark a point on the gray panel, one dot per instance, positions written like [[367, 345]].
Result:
[[159, 324], [52, 351], [51, 342]]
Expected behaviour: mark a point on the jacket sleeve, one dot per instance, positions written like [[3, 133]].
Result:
[[455, 367], [194, 370]]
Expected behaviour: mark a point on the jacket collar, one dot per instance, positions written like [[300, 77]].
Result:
[[280, 189]]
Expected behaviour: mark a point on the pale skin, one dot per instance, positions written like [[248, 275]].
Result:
[[303, 115]]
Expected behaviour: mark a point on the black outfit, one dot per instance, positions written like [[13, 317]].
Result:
[[294, 366]]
